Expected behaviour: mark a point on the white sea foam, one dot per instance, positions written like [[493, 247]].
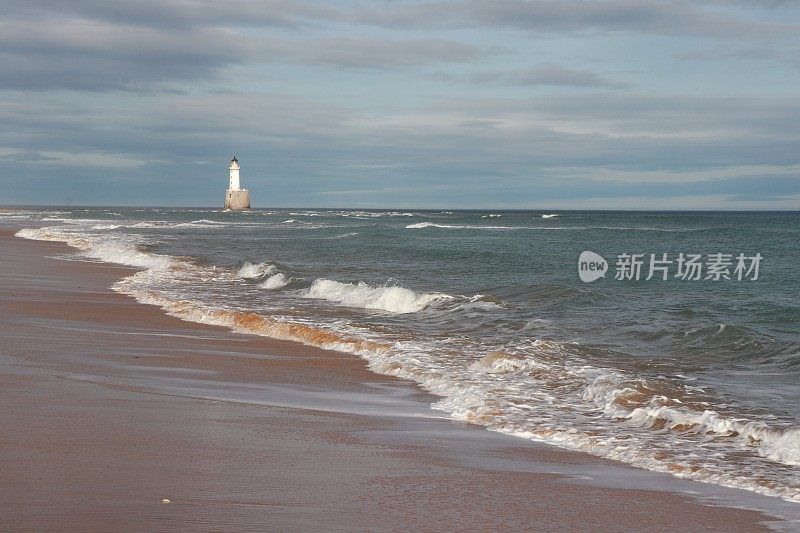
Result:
[[542, 401], [204, 223], [372, 214], [498, 363], [47, 234], [276, 281], [148, 225], [422, 225], [256, 270], [105, 226], [22, 214], [550, 215], [109, 249], [387, 298], [114, 251], [611, 392]]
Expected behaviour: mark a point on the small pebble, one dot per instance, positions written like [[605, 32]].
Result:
[[166, 500]]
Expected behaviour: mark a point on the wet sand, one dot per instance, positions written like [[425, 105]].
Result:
[[109, 406]]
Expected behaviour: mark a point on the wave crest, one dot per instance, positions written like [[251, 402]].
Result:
[[390, 298], [256, 270], [276, 281]]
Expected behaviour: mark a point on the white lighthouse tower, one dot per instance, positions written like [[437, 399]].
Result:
[[236, 198], [234, 175]]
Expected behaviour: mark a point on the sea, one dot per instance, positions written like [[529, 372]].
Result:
[[678, 353]]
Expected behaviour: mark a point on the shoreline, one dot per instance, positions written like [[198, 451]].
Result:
[[113, 405]]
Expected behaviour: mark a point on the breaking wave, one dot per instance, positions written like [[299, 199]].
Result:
[[389, 298], [256, 270], [276, 281], [421, 225], [110, 250]]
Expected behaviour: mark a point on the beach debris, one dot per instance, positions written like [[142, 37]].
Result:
[[166, 500]]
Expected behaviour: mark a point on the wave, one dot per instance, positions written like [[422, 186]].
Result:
[[491, 215], [671, 434], [498, 362], [373, 214], [110, 250], [276, 281], [53, 234], [389, 298], [421, 225], [247, 321], [639, 404], [151, 225], [204, 223], [256, 270], [550, 215], [105, 226], [479, 303]]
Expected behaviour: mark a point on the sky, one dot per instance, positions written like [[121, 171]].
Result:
[[505, 104]]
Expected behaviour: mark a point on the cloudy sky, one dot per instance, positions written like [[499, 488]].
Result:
[[394, 103]]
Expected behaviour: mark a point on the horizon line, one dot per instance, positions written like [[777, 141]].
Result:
[[407, 208]]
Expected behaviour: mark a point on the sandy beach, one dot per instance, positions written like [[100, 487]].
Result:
[[110, 406]]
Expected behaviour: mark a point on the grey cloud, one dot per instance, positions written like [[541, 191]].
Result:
[[756, 3], [293, 144], [750, 187], [730, 54], [554, 75], [629, 114], [461, 138], [659, 17], [99, 56], [368, 53], [673, 17], [178, 14]]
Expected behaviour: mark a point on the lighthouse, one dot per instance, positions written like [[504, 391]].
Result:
[[234, 175], [236, 198]]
